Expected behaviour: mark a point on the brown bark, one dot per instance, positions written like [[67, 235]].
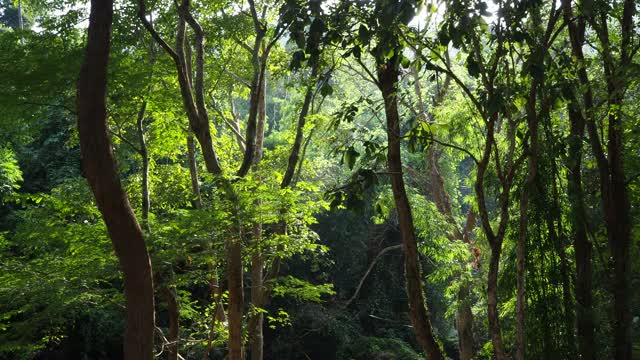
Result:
[[236, 297], [99, 167], [173, 310], [256, 321], [614, 196], [388, 77], [464, 323]]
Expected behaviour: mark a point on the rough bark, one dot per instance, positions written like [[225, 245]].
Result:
[[100, 169], [388, 77]]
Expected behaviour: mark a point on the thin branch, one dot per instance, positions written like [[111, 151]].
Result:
[[475, 160], [240, 80], [366, 274], [156, 36]]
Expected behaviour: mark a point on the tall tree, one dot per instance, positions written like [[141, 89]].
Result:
[[99, 167]]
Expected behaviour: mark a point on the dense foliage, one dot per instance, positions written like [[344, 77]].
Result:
[[384, 179]]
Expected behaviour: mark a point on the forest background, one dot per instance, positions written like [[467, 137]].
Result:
[[286, 179]]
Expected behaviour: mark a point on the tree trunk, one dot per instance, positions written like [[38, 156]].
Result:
[[618, 222], [193, 172], [99, 167], [528, 187], [492, 303], [388, 77], [583, 250], [173, 310], [297, 143], [256, 320], [144, 153], [464, 323], [615, 199], [236, 297]]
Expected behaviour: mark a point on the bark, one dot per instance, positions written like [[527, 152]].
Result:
[[492, 303], [614, 196], [583, 249], [529, 187], [100, 169], [144, 153], [256, 321], [236, 297], [297, 143], [388, 77], [464, 323], [193, 172], [173, 310], [585, 327], [495, 239]]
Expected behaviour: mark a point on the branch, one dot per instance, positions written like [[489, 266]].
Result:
[[147, 25], [475, 160], [125, 140], [366, 274], [241, 80]]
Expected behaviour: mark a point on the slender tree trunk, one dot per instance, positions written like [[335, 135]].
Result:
[[173, 310], [494, 239], [388, 77], [193, 172], [100, 169], [256, 320], [297, 143], [236, 297], [144, 153], [492, 302], [618, 221], [235, 117], [529, 187], [464, 323], [583, 249], [615, 199]]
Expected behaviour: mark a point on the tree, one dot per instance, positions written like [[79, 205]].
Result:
[[100, 170]]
